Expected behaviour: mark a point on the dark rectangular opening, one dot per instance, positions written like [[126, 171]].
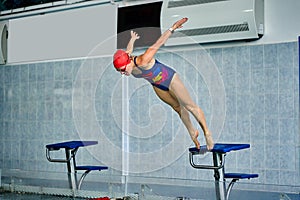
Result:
[[144, 19]]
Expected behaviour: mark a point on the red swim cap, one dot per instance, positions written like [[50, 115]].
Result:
[[121, 58]]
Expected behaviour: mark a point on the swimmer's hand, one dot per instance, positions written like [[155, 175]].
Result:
[[134, 35], [179, 23]]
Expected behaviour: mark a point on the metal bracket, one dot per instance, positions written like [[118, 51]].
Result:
[[191, 158]]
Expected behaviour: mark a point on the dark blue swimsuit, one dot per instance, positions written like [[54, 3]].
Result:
[[159, 75]]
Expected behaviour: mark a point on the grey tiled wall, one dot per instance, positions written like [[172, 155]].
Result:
[[50, 102]]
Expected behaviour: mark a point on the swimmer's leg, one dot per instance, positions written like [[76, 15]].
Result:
[[171, 100], [183, 96], [194, 133]]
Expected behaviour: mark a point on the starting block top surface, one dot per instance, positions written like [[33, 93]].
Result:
[[70, 144], [220, 148]]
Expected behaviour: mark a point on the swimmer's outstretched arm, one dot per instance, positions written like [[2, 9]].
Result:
[[134, 37], [151, 51]]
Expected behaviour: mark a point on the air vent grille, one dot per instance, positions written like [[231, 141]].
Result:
[[174, 4], [213, 30]]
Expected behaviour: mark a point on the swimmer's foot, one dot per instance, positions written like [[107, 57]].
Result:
[[195, 139], [209, 141]]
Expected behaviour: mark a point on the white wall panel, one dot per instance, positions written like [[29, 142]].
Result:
[[66, 34]]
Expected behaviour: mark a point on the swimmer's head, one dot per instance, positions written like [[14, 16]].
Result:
[[121, 59]]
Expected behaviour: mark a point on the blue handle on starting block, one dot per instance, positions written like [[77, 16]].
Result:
[[220, 148], [91, 168], [240, 175]]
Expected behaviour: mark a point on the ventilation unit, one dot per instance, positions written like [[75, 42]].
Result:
[[213, 20]]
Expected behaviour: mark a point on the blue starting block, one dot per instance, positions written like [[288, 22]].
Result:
[[219, 152], [71, 148]]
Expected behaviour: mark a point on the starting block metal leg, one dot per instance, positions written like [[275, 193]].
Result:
[[220, 185], [82, 178], [230, 188], [71, 172]]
